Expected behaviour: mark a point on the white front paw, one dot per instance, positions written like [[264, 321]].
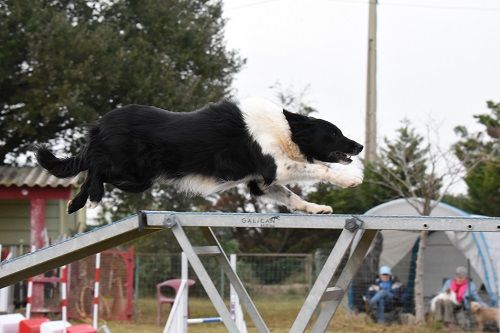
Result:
[[349, 181], [312, 208], [344, 176], [348, 178]]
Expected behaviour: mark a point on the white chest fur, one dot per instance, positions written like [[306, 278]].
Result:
[[268, 126]]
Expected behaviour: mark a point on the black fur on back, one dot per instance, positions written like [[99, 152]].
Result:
[[132, 146]]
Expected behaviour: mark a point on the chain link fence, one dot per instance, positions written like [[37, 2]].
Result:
[[262, 274]]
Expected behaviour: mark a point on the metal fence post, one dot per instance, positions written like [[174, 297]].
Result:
[[221, 272], [136, 276]]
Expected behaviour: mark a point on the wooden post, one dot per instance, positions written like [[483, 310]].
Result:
[[37, 216], [37, 212], [371, 85]]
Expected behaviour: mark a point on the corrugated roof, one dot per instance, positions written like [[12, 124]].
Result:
[[33, 176]]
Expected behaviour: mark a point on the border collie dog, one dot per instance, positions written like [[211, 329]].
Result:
[[209, 150]]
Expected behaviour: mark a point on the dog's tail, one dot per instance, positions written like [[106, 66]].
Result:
[[60, 167]]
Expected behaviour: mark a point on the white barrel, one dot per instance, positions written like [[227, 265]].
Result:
[[57, 326], [9, 323]]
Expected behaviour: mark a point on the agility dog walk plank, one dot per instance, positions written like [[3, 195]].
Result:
[[327, 221]]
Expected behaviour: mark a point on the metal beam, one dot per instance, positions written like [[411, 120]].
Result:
[[77, 247], [204, 278], [236, 283], [344, 280], [334, 221], [322, 281]]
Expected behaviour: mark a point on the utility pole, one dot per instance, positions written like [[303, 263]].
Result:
[[371, 86]]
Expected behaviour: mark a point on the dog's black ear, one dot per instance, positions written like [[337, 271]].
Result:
[[297, 121], [290, 116]]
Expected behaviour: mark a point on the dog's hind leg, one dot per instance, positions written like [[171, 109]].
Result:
[[96, 189], [81, 198], [284, 196]]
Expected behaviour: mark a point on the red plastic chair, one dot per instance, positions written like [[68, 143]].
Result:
[[174, 284]]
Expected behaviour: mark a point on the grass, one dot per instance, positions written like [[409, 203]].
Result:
[[278, 313]]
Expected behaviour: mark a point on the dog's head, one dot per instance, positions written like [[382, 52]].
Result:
[[475, 307], [320, 140]]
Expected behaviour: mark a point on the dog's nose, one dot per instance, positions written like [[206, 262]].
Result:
[[358, 148]]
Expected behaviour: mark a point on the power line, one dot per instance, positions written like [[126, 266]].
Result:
[[383, 3], [350, 2], [414, 5], [440, 7]]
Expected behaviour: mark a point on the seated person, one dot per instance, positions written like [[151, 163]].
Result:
[[384, 294], [455, 294]]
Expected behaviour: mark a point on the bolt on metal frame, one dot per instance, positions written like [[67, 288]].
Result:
[[147, 222]]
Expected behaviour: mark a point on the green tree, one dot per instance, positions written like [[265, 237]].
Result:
[[407, 168], [479, 153], [65, 63]]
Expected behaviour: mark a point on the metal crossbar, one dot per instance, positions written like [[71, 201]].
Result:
[[147, 222], [334, 221]]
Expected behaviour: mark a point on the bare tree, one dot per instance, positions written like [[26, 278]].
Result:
[[294, 100]]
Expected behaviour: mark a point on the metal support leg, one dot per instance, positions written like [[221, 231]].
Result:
[[323, 280], [214, 248], [344, 280], [236, 283], [205, 279]]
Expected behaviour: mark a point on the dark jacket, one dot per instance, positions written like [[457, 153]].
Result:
[[395, 290]]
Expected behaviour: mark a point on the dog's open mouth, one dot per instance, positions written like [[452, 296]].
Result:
[[342, 157]]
